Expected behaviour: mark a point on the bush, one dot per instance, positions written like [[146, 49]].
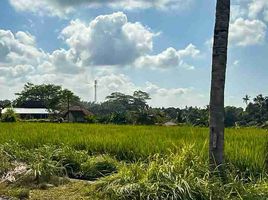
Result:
[[97, 167], [44, 167], [71, 159], [183, 176], [170, 177], [5, 162], [90, 119], [9, 116]]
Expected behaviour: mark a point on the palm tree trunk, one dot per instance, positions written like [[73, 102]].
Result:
[[219, 60]]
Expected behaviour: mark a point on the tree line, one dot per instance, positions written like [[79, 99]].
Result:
[[119, 108]]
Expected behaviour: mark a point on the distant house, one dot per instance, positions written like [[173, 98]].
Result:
[[30, 113], [31, 109], [76, 114]]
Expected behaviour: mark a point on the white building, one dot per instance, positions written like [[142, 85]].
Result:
[[30, 113]]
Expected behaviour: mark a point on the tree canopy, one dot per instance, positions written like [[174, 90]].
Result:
[[53, 97]]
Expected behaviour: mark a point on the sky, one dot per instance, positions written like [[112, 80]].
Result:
[[162, 47]]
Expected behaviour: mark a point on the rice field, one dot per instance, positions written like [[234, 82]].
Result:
[[129, 162], [245, 147]]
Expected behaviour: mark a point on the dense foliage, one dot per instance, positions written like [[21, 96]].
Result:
[[120, 109], [50, 96]]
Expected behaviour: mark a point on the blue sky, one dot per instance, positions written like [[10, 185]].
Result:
[[159, 46]]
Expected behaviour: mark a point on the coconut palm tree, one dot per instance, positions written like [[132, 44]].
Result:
[[219, 60], [246, 99]]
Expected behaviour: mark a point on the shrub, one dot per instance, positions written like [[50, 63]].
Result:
[[71, 159], [5, 162], [170, 177], [9, 116], [97, 167], [44, 167], [182, 176], [90, 119]]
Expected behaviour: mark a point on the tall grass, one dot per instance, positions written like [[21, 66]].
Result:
[[182, 176], [245, 147]]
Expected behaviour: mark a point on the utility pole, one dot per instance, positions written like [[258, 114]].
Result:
[[95, 88]]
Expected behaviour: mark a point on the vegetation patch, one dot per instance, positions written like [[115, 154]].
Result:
[[97, 167], [179, 176], [9, 116], [129, 162]]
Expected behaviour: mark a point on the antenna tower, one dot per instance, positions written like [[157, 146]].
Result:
[[95, 88]]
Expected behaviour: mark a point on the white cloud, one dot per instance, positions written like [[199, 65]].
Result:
[[114, 83], [156, 90], [25, 38], [161, 96], [39, 7], [244, 32], [190, 50], [236, 62], [108, 40], [237, 11], [252, 9], [17, 71], [169, 58], [19, 49], [166, 59], [19, 57], [258, 7], [110, 80], [176, 97], [62, 8], [65, 62]]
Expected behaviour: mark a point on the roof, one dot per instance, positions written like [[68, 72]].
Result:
[[28, 110], [77, 109], [33, 104]]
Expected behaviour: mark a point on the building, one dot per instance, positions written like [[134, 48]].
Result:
[[76, 114], [31, 109], [30, 113]]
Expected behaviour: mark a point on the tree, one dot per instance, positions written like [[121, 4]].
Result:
[[219, 60], [126, 108], [232, 115], [140, 100], [52, 96], [259, 100], [5, 103], [246, 99], [9, 116]]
